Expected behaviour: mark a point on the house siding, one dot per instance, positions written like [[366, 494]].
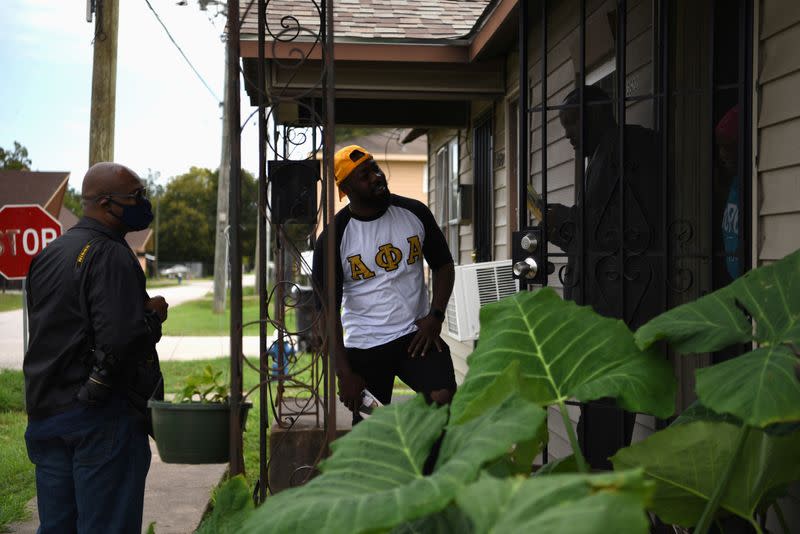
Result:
[[777, 116], [437, 138], [776, 120]]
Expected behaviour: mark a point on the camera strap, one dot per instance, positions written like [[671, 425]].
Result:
[[81, 272]]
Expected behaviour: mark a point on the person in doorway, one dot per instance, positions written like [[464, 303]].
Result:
[[386, 325], [91, 363], [609, 267], [728, 189]]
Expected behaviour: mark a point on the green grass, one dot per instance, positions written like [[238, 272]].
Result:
[[197, 318], [16, 471], [153, 283], [12, 388], [10, 301]]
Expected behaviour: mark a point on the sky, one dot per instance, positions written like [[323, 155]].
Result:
[[166, 119]]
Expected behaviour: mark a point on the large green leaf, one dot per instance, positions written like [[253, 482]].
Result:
[[578, 504], [494, 391], [769, 295], [687, 461], [697, 412], [233, 504], [567, 464], [450, 520], [759, 387], [564, 351], [374, 481], [707, 324]]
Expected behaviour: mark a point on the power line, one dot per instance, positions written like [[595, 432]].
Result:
[[210, 90]]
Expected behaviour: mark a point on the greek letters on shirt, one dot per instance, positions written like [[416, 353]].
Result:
[[388, 258], [380, 282]]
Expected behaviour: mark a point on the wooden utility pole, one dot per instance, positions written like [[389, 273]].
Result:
[[104, 82], [221, 246]]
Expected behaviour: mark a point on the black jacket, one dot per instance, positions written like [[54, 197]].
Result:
[[85, 290], [635, 294]]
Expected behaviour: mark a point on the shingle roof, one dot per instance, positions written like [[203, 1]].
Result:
[[138, 240], [372, 19], [67, 218], [30, 187]]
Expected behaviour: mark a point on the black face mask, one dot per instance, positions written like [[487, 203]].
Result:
[[136, 217]]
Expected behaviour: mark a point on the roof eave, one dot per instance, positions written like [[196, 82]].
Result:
[[501, 11], [451, 50], [362, 51]]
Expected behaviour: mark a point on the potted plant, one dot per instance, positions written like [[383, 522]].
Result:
[[194, 427]]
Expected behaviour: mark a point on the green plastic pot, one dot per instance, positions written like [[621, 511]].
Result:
[[193, 432]]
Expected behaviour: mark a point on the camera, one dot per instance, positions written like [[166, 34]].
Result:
[[97, 388]]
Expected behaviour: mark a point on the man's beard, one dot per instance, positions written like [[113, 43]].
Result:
[[381, 192]]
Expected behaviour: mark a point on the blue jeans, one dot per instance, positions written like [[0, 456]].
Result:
[[92, 480]]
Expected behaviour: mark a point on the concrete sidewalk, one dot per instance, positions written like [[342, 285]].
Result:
[[204, 347], [175, 497], [169, 348]]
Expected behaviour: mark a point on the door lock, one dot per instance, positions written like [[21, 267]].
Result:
[[529, 242], [529, 256], [526, 268]]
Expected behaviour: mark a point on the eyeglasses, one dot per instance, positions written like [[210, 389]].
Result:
[[139, 194]]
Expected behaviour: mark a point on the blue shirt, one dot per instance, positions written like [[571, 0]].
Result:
[[732, 231]]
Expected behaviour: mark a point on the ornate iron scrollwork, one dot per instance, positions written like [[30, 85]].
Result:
[[293, 361]]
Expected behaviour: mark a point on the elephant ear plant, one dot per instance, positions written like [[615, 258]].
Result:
[[535, 350], [736, 450], [740, 446]]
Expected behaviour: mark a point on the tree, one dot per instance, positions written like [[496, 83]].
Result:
[[184, 228], [16, 160], [72, 201], [188, 215]]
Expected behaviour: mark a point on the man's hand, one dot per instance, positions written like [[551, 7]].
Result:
[[158, 305], [350, 387], [428, 330]]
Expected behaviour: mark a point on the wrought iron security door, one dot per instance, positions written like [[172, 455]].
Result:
[[296, 378], [635, 152]]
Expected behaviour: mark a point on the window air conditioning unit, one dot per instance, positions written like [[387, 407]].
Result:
[[476, 285]]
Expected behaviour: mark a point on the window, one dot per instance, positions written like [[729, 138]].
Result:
[[447, 194]]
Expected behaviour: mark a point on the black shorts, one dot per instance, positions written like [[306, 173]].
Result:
[[379, 365]]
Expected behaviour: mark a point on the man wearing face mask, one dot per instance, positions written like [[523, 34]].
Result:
[[91, 364]]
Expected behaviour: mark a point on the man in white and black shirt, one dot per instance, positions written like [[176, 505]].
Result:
[[386, 327]]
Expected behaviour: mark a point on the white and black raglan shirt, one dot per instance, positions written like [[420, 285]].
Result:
[[380, 285]]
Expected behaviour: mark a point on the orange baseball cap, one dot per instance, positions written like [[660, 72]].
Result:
[[345, 161]]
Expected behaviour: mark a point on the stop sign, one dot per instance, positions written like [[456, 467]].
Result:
[[25, 229]]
